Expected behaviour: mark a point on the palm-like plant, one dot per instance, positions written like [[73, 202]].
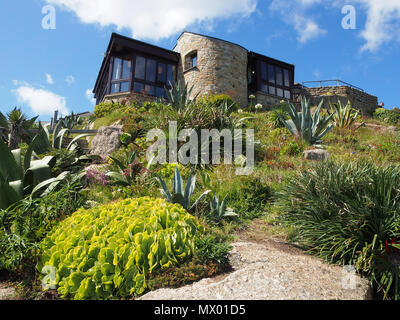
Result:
[[309, 127], [180, 193], [17, 124], [343, 116]]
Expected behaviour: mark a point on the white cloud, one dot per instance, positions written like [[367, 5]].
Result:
[[155, 19], [294, 13], [90, 96], [49, 79], [383, 23], [42, 102], [70, 80]]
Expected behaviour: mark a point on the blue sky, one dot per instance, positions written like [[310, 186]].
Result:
[[46, 69]]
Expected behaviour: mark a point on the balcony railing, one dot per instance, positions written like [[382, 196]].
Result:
[[331, 83]]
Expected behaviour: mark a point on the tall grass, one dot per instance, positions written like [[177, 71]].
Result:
[[349, 214]]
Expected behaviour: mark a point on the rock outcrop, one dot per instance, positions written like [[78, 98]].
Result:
[[106, 141]]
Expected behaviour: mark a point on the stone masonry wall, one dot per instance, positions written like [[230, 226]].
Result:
[[127, 97], [267, 100], [360, 100], [221, 67]]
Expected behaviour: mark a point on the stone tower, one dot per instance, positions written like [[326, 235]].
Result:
[[213, 66]]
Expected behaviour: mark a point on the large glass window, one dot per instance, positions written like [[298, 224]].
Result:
[[152, 76], [274, 80], [121, 75], [151, 70], [140, 67]]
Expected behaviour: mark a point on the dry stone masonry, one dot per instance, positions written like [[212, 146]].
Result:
[[221, 66]]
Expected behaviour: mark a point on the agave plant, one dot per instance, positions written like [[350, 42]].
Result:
[[180, 193], [219, 210], [178, 96], [128, 171], [311, 128], [24, 177], [17, 124], [45, 143], [71, 121], [343, 116]]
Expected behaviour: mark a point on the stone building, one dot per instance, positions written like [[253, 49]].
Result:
[[134, 70]]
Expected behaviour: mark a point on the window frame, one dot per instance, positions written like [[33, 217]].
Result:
[[274, 85], [121, 80], [157, 84]]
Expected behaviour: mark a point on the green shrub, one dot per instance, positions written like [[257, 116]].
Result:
[[108, 251], [248, 195], [275, 116], [105, 108], [219, 99], [211, 248], [389, 116], [349, 214], [293, 148], [22, 227]]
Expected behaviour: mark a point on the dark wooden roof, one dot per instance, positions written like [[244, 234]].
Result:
[[271, 60], [120, 45]]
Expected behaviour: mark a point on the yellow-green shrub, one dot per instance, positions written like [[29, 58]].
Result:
[[107, 251]]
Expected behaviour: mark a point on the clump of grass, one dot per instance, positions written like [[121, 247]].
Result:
[[349, 214]]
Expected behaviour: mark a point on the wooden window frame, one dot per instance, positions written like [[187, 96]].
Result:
[[269, 84], [120, 81]]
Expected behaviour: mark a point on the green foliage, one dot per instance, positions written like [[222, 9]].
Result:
[[71, 121], [129, 171], [106, 108], [23, 226], [181, 194], [21, 177], [219, 100], [388, 116], [108, 251], [249, 195], [274, 118], [134, 122], [43, 142], [178, 96], [343, 116], [311, 128], [18, 125], [211, 248], [349, 213], [293, 148], [126, 139], [218, 209]]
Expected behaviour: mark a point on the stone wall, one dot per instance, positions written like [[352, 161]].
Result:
[[267, 100], [127, 97], [360, 100], [221, 66]]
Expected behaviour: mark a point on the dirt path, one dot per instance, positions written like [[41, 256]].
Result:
[[268, 269]]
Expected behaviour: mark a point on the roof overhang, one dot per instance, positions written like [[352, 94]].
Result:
[[120, 45]]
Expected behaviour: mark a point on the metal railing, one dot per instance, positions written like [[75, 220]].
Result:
[[337, 83]]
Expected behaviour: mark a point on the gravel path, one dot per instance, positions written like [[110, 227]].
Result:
[[6, 292], [272, 271]]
